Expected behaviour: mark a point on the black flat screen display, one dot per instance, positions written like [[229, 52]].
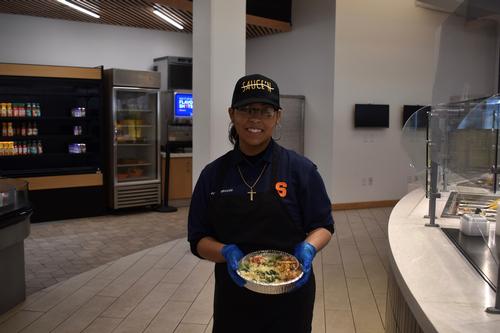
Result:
[[180, 76], [418, 121], [371, 115]]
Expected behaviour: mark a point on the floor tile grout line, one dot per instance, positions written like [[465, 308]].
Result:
[[345, 277], [81, 231], [323, 288], [54, 287], [159, 282], [368, 279], [206, 282], [89, 300], [373, 243], [107, 266], [16, 309], [68, 315], [110, 282], [384, 227], [164, 304], [364, 268], [385, 238]]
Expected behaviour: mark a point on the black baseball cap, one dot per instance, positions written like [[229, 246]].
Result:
[[255, 88]]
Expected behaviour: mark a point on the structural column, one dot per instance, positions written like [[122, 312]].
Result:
[[218, 61]]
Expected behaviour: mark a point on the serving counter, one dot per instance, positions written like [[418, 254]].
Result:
[[432, 288]]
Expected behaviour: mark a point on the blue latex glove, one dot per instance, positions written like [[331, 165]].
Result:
[[305, 253], [233, 254]]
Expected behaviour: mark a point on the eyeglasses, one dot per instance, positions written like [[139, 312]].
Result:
[[265, 112]]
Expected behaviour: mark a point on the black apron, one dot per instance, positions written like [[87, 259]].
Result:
[[263, 223]]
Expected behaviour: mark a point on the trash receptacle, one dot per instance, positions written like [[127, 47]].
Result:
[[15, 212]]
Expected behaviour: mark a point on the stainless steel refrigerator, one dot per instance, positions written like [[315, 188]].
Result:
[[134, 134]]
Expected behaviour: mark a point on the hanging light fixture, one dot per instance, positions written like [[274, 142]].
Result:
[[81, 9], [168, 19]]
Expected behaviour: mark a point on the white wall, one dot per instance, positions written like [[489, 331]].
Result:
[[364, 52], [301, 62], [467, 60], [384, 55], [35, 40]]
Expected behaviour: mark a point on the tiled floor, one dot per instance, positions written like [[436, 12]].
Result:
[[56, 251], [166, 289]]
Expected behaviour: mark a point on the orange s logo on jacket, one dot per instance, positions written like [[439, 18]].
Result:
[[281, 188]]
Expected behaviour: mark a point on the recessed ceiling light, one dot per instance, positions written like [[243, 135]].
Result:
[[81, 9], [168, 19]]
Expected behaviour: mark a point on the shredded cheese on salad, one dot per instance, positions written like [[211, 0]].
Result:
[[269, 268]]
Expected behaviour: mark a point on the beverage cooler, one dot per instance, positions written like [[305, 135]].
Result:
[[134, 150]]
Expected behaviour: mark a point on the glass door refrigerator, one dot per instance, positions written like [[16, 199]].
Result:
[[134, 154]]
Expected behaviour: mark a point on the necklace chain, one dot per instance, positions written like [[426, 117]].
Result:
[[251, 193]]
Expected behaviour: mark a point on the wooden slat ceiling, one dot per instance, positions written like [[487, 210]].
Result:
[[132, 13]]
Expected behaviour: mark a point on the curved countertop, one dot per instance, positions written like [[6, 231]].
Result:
[[441, 288]]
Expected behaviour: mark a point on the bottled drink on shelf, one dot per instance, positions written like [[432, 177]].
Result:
[[29, 131], [10, 130], [33, 148], [35, 129], [77, 130], [22, 110], [4, 129], [39, 147], [3, 109], [24, 148], [6, 148], [38, 111], [9, 109], [28, 110], [23, 129], [15, 110]]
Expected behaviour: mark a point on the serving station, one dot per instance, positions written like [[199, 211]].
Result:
[[443, 235]]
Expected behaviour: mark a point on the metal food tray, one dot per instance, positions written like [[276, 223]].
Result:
[[269, 288], [466, 203]]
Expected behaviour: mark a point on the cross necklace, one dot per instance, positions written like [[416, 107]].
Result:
[[252, 192]]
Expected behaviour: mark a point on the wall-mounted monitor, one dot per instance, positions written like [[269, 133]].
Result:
[[180, 76], [183, 106], [371, 115], [418, 121]]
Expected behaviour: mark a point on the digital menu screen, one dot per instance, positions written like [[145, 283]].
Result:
[[183, 105]]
